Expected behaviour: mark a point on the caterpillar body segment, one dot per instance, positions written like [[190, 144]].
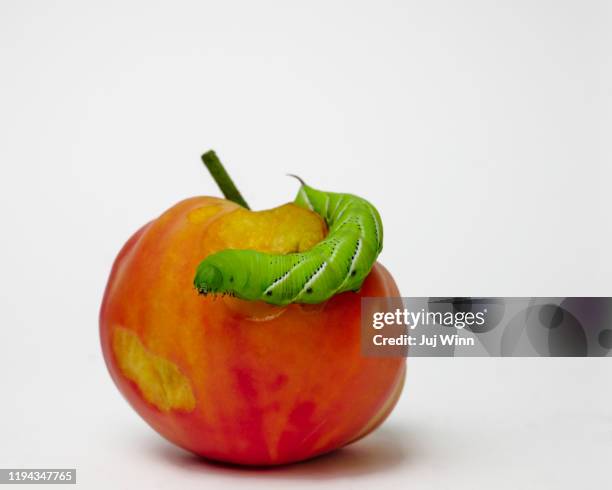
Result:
[[340, 262]]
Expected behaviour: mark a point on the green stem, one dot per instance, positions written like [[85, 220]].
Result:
[[222, 178]]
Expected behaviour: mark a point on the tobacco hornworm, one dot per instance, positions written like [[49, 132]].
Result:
[[338, 263]]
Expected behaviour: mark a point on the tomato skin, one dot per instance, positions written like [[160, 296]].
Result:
[[236, 381]]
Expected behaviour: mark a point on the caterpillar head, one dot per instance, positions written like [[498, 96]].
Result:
[[209, 278], [221, 273]]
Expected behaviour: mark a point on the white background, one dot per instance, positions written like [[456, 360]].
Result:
[[481, 130]]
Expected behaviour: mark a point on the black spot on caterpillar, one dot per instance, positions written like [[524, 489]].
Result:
[[338, 263]]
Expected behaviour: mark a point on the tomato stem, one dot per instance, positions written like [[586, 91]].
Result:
[[222, 178]]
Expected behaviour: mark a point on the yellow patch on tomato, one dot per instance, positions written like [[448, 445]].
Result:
[[285, 229], [159, 380], [200, 215]]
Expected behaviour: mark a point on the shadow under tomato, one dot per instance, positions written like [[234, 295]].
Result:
[[378, 452]]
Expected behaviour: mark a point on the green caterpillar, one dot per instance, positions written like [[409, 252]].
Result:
[[338, 263]]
